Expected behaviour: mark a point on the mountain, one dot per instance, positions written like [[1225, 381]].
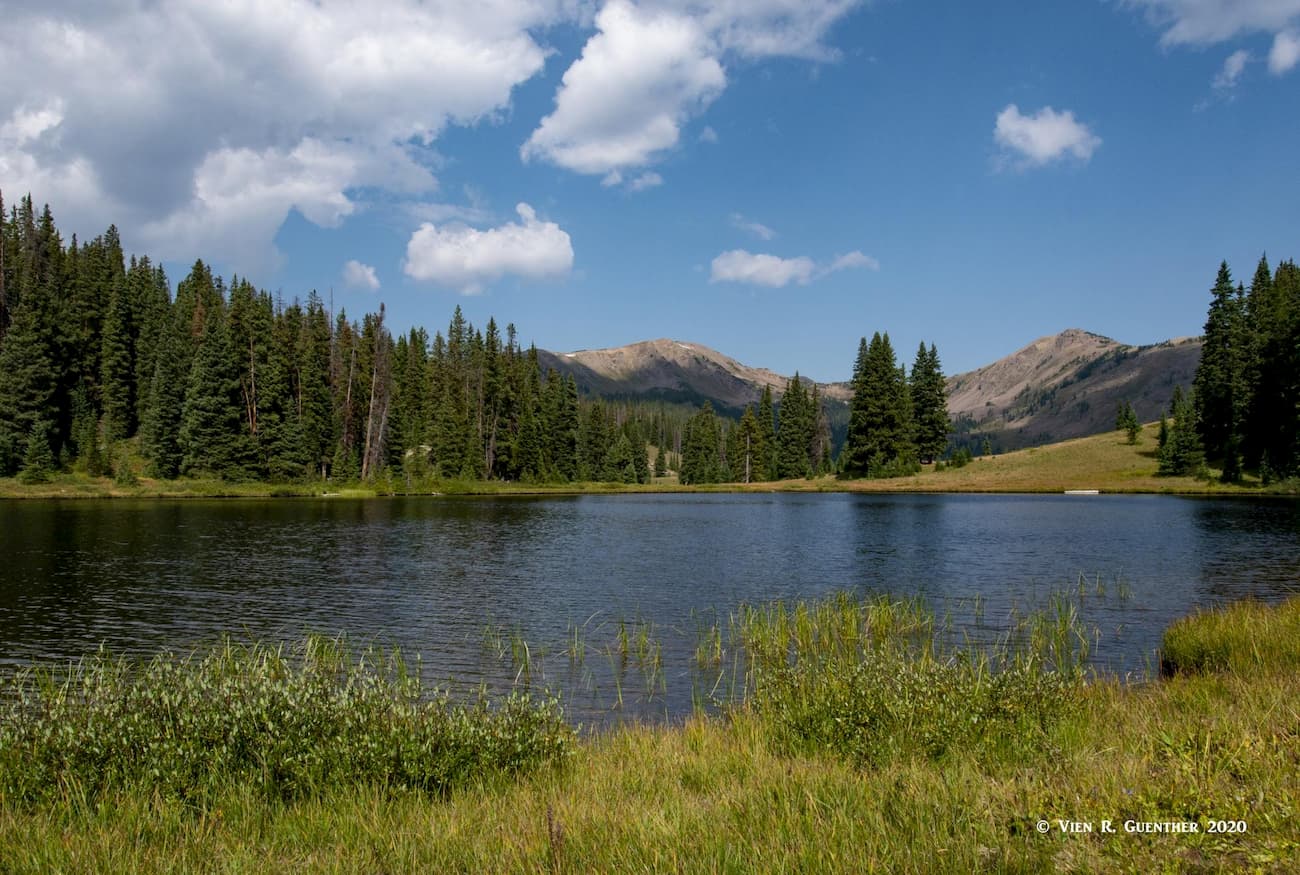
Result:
[[1062, 386], [673, 371], [1067, 385]]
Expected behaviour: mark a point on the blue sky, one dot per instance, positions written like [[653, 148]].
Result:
[[771, 178]]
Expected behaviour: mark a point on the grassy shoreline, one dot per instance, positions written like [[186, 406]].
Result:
[[770, 787], [1104, 462]]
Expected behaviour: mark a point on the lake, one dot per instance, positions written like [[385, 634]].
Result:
[[464, 583]]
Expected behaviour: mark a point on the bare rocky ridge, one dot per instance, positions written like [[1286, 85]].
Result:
[[1068, 385], [1058, 387], [674, 371]]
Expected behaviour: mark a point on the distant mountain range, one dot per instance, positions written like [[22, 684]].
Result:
[[1058, 387]]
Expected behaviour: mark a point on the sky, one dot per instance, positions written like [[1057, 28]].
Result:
[[771, 178]]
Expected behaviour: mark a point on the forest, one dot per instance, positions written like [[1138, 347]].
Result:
[[1243, 412], [106, 371]]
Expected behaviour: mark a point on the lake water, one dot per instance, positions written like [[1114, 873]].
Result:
[[456, 581]]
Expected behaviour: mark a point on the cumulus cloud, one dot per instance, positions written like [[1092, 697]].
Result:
[[623, 102], [652, 66], [739, 266], [1045, 136], [761, 269], [226, 116], [758, 229], [360, 276], [467, 259], [1201, 22], [1285, 52]]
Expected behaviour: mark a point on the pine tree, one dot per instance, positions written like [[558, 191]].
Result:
[[38, 460], [700, 462], [117, 367], [794, 431], [1182, 453], [879, 441], [746, 448], [28, 379], [162, 423], [930, 404], [1219, 383], [315, 407], [767, 468], [212, 438], [661, 462]]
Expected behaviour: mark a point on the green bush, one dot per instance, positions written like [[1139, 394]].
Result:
[[290, 724]]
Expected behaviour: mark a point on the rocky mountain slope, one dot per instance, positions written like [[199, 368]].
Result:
[[1068, 385], [1058, 387], [673, 371]]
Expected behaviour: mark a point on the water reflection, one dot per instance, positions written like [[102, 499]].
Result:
[[457, 581]]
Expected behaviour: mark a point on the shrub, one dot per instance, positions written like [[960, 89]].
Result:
[[288, 724]]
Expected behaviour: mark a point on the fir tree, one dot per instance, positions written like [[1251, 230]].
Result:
[[930, 404], [38, 459], [1220, 393], [212, 438], [1182, 453], [766, 468]]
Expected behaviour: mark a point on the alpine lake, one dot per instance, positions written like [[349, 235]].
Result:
[[622, 604]]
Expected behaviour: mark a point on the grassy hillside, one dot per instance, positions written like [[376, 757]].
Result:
[[1105, 462]]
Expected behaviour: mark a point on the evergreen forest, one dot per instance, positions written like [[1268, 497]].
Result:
[[105, 370], [1244, 409]]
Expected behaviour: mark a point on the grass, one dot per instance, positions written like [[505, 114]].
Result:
[[1106, 462], [746, 792]]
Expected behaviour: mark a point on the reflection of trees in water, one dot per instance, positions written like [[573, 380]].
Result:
[[1248, 548]]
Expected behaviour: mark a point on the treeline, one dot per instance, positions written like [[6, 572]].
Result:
[[778, 442], [221, 379], [896, 422], [1244, 409]]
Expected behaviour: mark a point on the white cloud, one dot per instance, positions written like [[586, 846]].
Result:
[[468, 259], [646, 180], [851, 260], [758, 229], [708, 135], [622, 104], [1233, 66], [741, 266], [1201, 22], [652, 66], [171, 117], [1285, 52], [360, 276], [1045, 136]]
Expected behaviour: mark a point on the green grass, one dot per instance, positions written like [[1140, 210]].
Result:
[[791, 781], [1106, 462], [1244, 638]]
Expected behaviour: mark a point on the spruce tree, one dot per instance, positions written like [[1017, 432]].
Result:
[[213, 438], [929, 394], [162, 423], [796, 423], [766, 468], [1219, 383]]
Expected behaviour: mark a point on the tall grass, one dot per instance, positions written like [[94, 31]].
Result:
[[867, 678], [287, 723], [1245, 637]]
